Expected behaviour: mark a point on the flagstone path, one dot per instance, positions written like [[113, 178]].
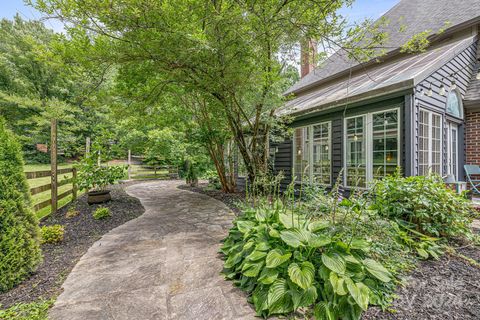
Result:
[[162, 265]]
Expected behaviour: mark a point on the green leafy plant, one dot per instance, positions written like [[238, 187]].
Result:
[[92, 176], [287, 261], [71, 213], [101, 213], [28, 311], [52, 234], [423, 203], [19, 232]]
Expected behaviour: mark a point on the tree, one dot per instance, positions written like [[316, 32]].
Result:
[[41, 78], [19, 232], [231, 53]]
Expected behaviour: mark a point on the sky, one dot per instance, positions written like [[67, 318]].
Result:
[[360, 10]]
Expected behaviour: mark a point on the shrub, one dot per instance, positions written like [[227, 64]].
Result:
[[424, 204], [52, 234], [91, 176], [286, 261], [101, 213], [19, 232]]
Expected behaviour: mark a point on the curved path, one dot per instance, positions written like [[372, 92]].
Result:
[[162, 265]]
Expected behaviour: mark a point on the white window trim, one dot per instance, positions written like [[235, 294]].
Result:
[[430, 139], [368, 132], [310, 151]]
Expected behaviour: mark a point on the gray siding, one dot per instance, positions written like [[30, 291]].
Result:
[[463, 65]]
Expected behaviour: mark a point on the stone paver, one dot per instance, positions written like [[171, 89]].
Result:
[[162, 265]]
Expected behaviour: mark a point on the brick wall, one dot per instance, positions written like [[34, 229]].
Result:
[[472, 137]]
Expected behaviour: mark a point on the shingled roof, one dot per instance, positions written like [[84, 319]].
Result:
[[407, 18], [385, 78]]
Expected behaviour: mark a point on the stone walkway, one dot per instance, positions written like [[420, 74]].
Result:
[[162, 265]]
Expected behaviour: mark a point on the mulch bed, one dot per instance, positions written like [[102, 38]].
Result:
[[81, 232], [231, 200], [445, 289]]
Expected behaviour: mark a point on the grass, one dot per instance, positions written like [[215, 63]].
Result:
[[46, 180], [28, 311]]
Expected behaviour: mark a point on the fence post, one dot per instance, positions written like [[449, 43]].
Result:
[[74, 184], [53, 164], [87, 146], [129, 163]]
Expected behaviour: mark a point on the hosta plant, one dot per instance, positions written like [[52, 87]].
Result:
[[286, 261]]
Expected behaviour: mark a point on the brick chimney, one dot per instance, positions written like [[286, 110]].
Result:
[[308, 52]]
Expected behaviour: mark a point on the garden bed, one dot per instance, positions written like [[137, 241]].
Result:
[[81, 232], [231, 200], [445, 289]]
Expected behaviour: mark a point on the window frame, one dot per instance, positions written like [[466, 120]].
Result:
[[368, 132], [431, 114], [310, 152]]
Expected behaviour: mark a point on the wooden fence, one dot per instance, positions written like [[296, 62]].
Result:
[[53, 186], [152, 172]]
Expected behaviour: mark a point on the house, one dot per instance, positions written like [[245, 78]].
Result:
[[417, 111]]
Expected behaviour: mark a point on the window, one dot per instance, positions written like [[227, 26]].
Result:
[[321, 153], [429, 142], [454, 104], [372, 147], [356, 174], [312, 150], [385, 143]]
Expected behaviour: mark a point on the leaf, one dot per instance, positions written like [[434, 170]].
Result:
[[260, 297], [245, 226], [303, 298], [262, 246], [295, 238], [317, 241], [334, 262], [277, 291], [377, 270], [323, 311], [274, 233], [290, 220], [252, 269], [422, 253], [268, 276], [233, 260], [360, 293], [275, 258], [318, 225], [337, 284], [256, 255], [360, 244], [302, 275]]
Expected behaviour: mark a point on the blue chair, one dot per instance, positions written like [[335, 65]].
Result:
[[473, 170]]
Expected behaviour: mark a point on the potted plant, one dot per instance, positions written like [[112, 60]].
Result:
[[95, 179]]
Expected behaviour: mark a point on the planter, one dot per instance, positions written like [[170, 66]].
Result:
[[98, 196]]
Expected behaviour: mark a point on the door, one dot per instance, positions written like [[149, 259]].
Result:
[[452, 149]]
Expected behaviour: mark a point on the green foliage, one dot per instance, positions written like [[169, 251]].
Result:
[[52, 234], [28, 311], [92, 176], [101, 213], [191, 176], [286, 261], [424, 202], [72, 213], [19, 232]]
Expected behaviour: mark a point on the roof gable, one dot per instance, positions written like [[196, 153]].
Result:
[[415, 16]]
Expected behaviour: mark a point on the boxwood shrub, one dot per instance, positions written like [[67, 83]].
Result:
[[19, 232]]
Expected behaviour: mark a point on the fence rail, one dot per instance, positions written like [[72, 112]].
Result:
[[152, 172], [53, 186]]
